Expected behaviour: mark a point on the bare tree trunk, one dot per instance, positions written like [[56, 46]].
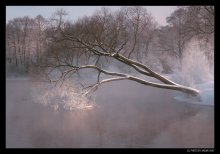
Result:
[[101, 47]]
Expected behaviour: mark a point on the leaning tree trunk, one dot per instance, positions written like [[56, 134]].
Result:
[[97, 49]]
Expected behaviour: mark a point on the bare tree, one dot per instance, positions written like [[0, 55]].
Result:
[[200, 19], [10, 45], [39, 35], [188, 23], [19, 32], [177, 21], [102, 35]]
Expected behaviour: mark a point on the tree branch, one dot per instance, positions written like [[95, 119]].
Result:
[[123, 77], [95, 87]]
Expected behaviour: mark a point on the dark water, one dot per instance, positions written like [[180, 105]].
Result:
[[127, 115]]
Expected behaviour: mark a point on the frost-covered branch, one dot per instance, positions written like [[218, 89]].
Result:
[[100, 40], [95, 87], [123, 76]]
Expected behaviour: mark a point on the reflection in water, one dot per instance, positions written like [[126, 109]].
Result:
[[59, 97]]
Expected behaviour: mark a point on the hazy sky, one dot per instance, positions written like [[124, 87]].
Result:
[[159, 12]]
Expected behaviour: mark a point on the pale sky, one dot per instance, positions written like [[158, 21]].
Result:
[[74, 12]]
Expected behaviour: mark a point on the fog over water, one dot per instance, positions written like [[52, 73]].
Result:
[[120, 114], [125, 114], [114, 52]]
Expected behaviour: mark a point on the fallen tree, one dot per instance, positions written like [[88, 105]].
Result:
[[109, 36]]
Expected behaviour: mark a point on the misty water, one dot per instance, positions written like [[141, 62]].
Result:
[[128, 43], [120, 114], [125, 115]]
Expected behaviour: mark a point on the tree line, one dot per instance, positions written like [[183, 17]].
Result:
[[129, 36]]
